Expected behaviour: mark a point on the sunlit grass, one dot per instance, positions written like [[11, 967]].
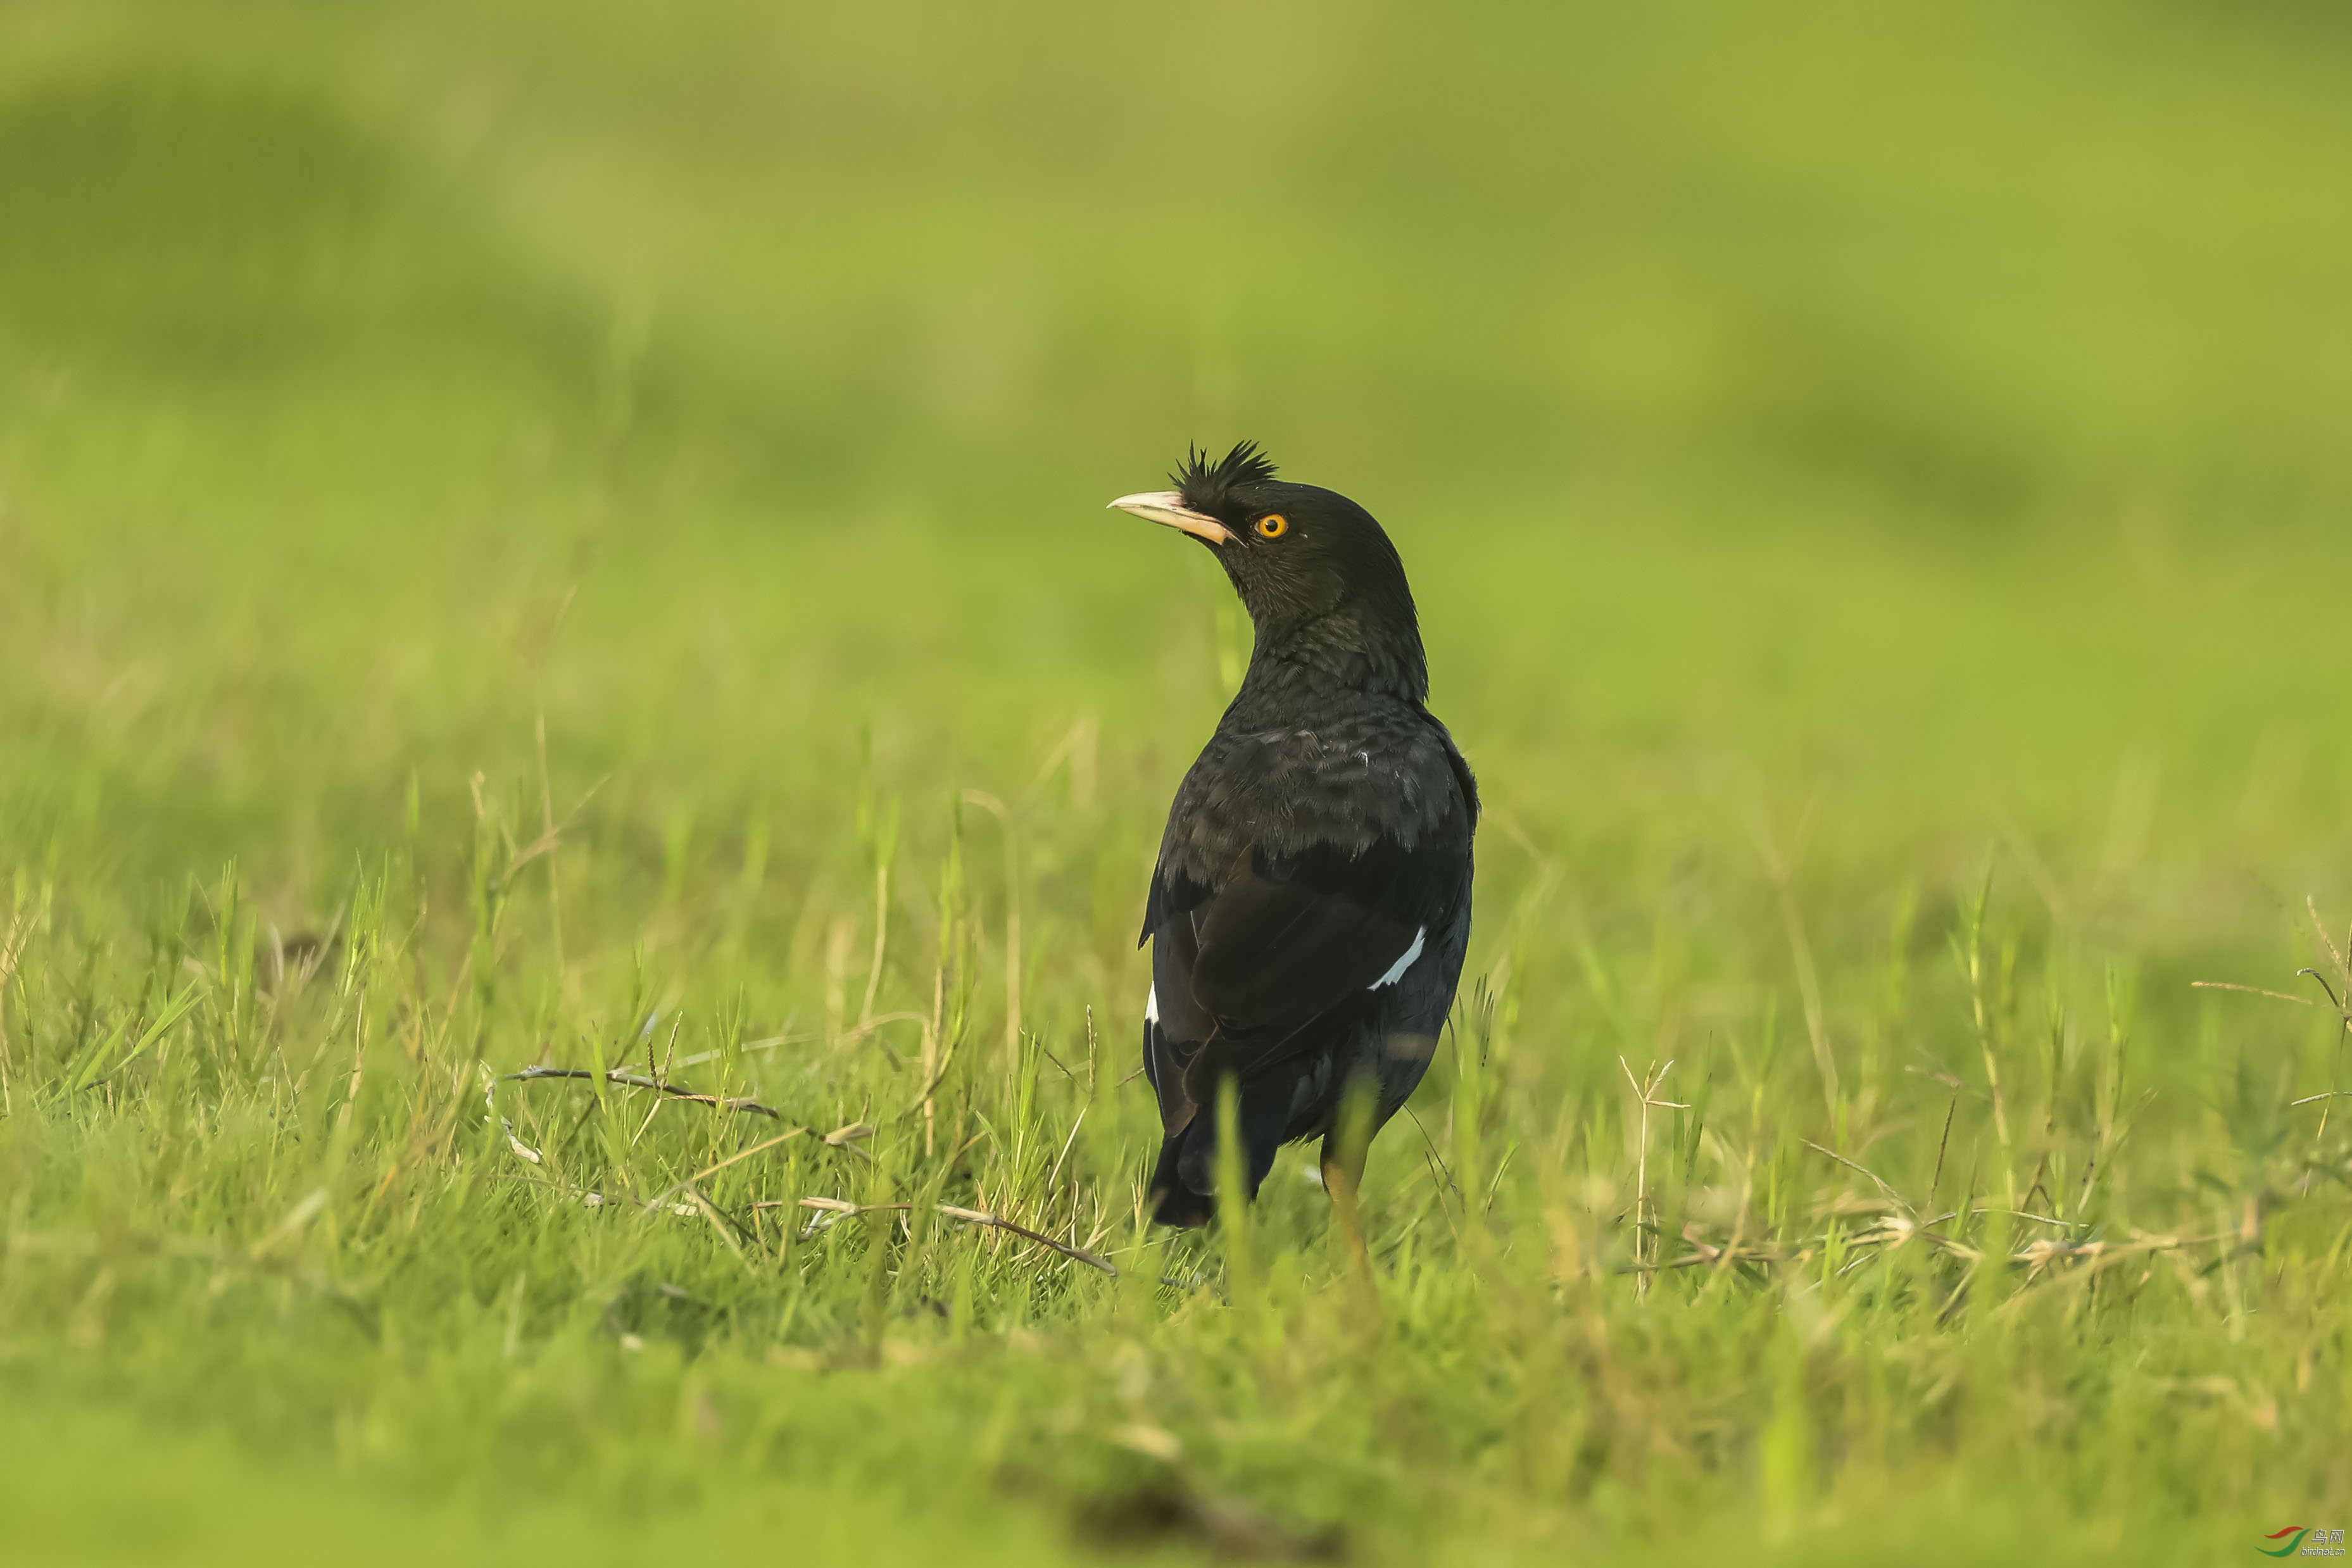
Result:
[[546, 540]]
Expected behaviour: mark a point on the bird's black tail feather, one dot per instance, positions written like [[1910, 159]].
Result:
[[1172, 1202], [1184, 1183]]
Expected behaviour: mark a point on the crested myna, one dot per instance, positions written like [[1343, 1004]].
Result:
[[1311, 904]]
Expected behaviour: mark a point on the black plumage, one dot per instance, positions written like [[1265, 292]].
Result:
[[1311, 904]]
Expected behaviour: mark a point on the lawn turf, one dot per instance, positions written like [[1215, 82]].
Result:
[[542, 535]]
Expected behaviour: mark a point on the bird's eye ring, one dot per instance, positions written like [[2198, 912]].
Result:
[[1273, 526]]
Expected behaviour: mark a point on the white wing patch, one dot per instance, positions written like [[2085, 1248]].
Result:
[[1151, 1005], [1396, 970]]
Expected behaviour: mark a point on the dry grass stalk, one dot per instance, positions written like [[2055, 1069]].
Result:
[[1896, 1230], [2339, 998], [833, 1209], [1646, 1218], [837, 1139], [1778, 869], [20, 930]]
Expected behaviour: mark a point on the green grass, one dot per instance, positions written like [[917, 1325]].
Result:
[[531, 536]]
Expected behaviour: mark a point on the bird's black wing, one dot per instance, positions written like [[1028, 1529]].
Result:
[[1282, 952]]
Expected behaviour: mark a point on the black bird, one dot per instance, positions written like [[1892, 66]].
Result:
[[1311, 905]]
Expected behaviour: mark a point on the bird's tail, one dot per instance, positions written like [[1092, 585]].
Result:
[[1184, 1183], [1173, 1202]]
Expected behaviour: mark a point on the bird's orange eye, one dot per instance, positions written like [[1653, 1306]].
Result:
[[1273, 526]]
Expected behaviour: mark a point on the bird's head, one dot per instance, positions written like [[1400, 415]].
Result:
[[1318, 576]]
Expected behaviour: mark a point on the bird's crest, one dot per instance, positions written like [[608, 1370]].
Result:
[[1205, 484]]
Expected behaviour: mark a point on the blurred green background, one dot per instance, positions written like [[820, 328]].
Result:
[[1875, 443], [1943, 408]]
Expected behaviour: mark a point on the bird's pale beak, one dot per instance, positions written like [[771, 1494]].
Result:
[[1168, 506]]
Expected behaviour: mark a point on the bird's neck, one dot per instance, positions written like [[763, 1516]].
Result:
[[1309, 661]]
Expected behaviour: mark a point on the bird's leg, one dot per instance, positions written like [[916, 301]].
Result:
[[1340, 1179], [1344, 1148]]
